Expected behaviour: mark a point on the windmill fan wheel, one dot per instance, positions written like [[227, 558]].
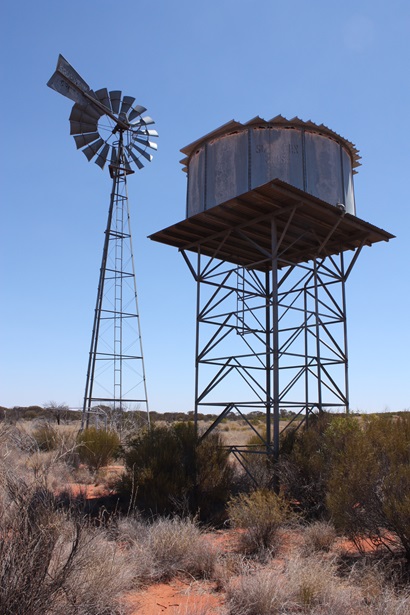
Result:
[[96, 131]]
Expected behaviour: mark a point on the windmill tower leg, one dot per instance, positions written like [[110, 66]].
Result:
[[116, 371]]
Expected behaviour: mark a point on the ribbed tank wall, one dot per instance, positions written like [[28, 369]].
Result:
[[234, 163]]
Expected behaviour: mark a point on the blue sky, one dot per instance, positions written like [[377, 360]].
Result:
[[194, 65]]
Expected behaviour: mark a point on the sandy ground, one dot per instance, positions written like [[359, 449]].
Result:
[[176, 598], [190, 597]]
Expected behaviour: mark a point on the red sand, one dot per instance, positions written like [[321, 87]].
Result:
[[174, 598]]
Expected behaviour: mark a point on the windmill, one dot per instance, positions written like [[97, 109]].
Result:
[[110, 128]]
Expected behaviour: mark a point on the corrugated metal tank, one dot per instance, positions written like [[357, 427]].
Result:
[[236, 158]]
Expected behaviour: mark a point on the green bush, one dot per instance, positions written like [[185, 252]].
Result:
[[355, 470], [46, 437], [260, 514], [97, 447], [368, 489], [169, 471], [304, 465]]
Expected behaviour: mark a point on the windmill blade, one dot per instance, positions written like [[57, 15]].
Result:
[[115, 97], [141, 151], [79, 128], [147, 120], [81, 140], [92, 149], [93, 111], [144, 131], [102, 156], [135, 159], [88, 115], [136, 111], [103, 97], [126, 105], [146, 143]]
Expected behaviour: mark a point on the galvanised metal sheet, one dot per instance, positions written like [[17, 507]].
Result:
[[196, 183], [276, 153], [323, 168], [226, 168], [348, 187]]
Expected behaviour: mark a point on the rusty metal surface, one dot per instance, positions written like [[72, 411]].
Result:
[[278, 121], [237, 230], [238, 157], [226, 168], [276, 153]]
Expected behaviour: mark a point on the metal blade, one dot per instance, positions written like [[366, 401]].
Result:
[[88, 115], [115, 97], [137, 110], [147, 143], [102, 156], [141, 151], [92, 149], [127, 103], [79, 128], [82, 140], [135, 159], [147, 120], [144, 131], [103, 97], [94, 111]]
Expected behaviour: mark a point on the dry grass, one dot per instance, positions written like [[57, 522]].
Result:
[[167, 547], [77, 569], [259, 514], [52, 562], [318, 536], [313, 585]]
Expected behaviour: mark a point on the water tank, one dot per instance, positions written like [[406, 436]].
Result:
[[237, 158]]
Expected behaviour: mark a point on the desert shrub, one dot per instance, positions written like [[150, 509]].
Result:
[[169, 471], [178, 545], [52, 562], [313, 586], [164, 547], [97, 447], [261, 594], [368, 490], [304, 465], [46, 437], [260, 514], [318, 536]]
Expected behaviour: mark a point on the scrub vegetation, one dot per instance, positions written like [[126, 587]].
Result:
[[105, 513]]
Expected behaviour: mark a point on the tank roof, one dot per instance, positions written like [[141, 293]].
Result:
[[278, 120]]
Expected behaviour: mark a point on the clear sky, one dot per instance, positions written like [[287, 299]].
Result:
[[194, 65]]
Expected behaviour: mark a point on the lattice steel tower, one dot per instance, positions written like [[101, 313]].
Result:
[[270, 237], [110, 127]]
